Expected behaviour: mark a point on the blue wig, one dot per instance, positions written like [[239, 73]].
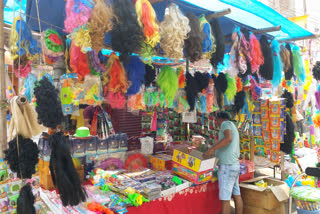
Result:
[[277, 64], [135, 71], [298, 65], [207, 42], [29, 86]]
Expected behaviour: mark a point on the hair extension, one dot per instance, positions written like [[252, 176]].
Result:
[[100, 23], [77, 14], [285, 58], [118, 81], [218, 55], [63, 173], [168, 83], [147, 20], [255, 52], [29, 86], [266, 70], [277, 65], [136, 71], [231, 89], [289, 137], [239, 101], [254, 89], [23, 162], [289, 99], [191, 91], [79, 61], [126, 35], [298, 65], [289, 73], [316, 70], [173, 31], [25, 201], [48, 104], [81, 38], [208, 42], [192, 45], [150, 75]]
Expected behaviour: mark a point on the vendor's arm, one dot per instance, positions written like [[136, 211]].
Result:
[[222, 143]]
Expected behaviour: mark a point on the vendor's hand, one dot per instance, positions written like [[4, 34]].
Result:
[[208, 154]]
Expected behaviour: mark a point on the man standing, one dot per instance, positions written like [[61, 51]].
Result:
[[227, 151]]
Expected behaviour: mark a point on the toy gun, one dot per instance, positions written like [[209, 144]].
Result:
[[136, 199], [177, 180], [96, 207]]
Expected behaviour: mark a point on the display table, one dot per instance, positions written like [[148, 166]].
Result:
[[202, 199]]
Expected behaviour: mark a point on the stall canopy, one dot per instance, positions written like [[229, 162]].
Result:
[[250, 14]]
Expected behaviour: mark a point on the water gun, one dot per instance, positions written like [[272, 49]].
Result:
[[177, 180], [96, 207], [136, 199], [114, 201]]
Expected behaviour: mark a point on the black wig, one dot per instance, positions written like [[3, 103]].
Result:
[[150, 75], [63, 173], [221, 85], [289, 98], [192, 45], [289, 137], [126, 34], [24, 163], [48, 104], [316, 70], [26, 200], [239, 101], [289, 74], [218, 55], [191, 90], [266, 70], [202, 81]]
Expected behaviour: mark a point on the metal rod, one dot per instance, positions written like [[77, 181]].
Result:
[[218, 14], [3, 103], [267, 29]]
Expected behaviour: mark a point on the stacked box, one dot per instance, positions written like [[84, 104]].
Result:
[[258, 128], [161, 162]]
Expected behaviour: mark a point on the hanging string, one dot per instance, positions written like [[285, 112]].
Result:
[[37, 6]]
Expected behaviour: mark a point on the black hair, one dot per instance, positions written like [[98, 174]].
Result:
[[289, 74], [266, 70], [223, 115], [26, 200], [316, 70], [218, 55]]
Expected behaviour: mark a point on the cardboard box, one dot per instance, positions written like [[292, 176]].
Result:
[[264, 198], [161, 162], [255, 210], [192, 166]]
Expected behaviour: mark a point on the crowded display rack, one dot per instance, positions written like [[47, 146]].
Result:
[[88, 159]]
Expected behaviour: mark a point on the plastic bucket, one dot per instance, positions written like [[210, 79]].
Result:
[[301, 211]]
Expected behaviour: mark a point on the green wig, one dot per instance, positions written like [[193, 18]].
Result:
[[168, 83], [231, 89]]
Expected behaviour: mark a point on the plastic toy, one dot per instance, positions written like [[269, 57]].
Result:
[[177, 180], [96, 207], [136, 199]]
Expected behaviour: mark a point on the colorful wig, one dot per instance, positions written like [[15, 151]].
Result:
[[298, 65], [100, 23], [116, 100], [192, 45], [231, 89], [147, 20], [181, 78], [78, 13], [173, 31], [22, 66], [79, 61], [266, 70], [208, 42], [289, 73], [95, 63], [52, 46], [239, 84], [285, 58], [81, 38], [255, 53], [136, 71], [126, 35], [25, 201], [217, 56], [29, 85], [277, 65], [168, 83], [254, 89]]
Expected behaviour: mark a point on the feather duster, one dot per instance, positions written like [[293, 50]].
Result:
[[231, 89], [191, 90], [289, 99], [266, 70], [298, 65], [63, 173], [168, 83], [26, 200], [289, 137], [135, 70], [150, 75], [239, 101], [289, 73], [277, 65], [316, 70], [24, 163], [218, 55]]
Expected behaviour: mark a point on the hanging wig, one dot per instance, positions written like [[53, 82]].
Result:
[[173, 31], [126, 35], [100, 23], [298, 65], [118, 81], [81, 38], [150, 75], [116, 100], [254, 89], [289, 98], [266, 70], [22, 66], [168, 83], [285, 58], [208, 42], [22, 160], [95, 63], [191, 90], [77, 14], [316, 70], [217, 56], [289, 137], [192, 45], [239, 84], [239, 101], [63, 173], [202, 81], [136, 71], [48, 104], [256, 54], [147, 20], [26, 200], [231, 89], [79, 62], [29, 86], [221, 85], [289, 73], [277, 65], [52, 46], [181, 78]]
